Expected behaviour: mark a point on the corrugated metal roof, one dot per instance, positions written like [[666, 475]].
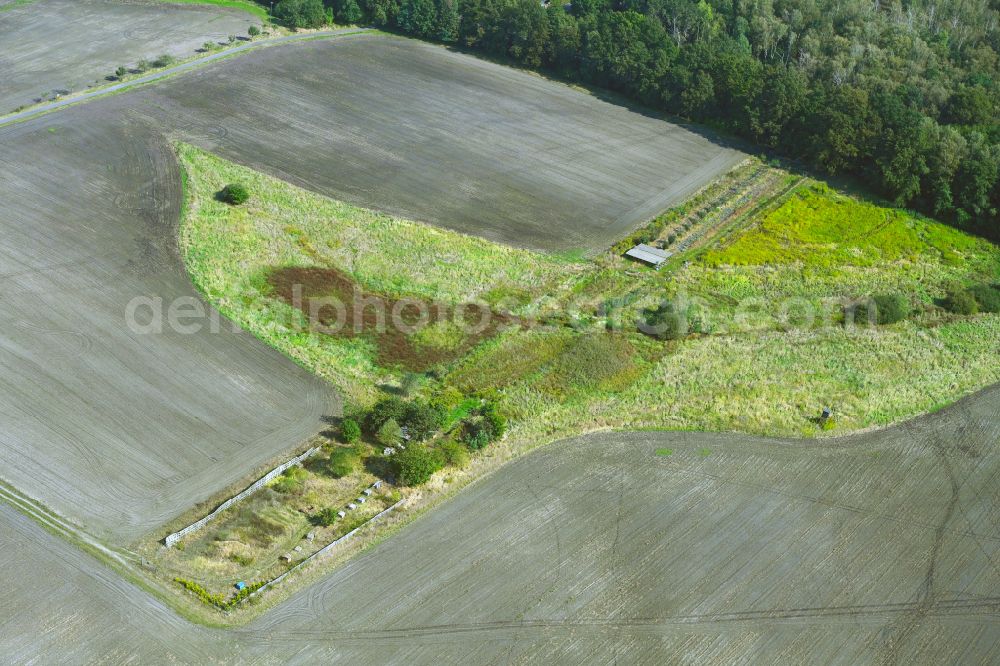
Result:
[[648, 254]]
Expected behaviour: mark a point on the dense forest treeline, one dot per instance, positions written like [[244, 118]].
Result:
[[903, 95]]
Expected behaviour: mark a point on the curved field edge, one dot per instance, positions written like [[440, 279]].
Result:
[[247, 6], [711, 383], [766, 381], [381, 253]]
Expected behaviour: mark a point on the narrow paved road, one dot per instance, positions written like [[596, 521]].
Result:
[[170, 71]]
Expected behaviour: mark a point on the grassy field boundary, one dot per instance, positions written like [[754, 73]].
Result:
[[245, 5], [179, 68], [15, 4]]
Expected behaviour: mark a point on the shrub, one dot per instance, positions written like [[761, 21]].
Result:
[[422, 420], [350, 431], [475, 438], [218, 600], [234, 194], [326, 517], [164, 60], [417, 464], [142, 65], [487, 426], [343, 462], [292, 481], [961, 301], [121, 72], [665, 322], [253, 31], [887, 309], [987, 297], [494, 424], [454, 453], [390, 434], [385, 409]]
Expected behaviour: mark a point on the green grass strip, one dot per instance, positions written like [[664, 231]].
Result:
[[245, 5]]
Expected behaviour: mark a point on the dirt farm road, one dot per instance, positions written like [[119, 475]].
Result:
[[73, 100], [878, 548]]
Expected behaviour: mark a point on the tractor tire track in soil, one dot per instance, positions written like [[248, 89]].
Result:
[[530, 563]]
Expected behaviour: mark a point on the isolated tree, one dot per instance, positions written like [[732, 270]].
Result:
[[961, 301], [234, 194], [880, 309], [121, 72], [253, 31], [487, 426]]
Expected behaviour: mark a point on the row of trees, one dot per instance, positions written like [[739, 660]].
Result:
[[902, 95]]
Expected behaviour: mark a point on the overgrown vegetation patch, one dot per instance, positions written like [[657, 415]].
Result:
[[411, 334], [790, 316]]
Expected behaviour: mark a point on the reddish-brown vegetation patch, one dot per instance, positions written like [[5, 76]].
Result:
[[335, 305]]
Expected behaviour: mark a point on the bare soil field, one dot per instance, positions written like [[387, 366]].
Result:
[[119, 428], [637, 547], [124, 431], [67, 45], [417, 131]]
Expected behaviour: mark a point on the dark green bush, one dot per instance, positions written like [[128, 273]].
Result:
[[326, 517], [234, 194], [881, 309], [422, 420], [416, 464], [350, 431], [484, 427], [385, 409], [961, 301], [164, 60], [988, 297], [666, 322]]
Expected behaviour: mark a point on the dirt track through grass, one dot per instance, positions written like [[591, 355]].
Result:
[[879, 548], [51, 45]]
